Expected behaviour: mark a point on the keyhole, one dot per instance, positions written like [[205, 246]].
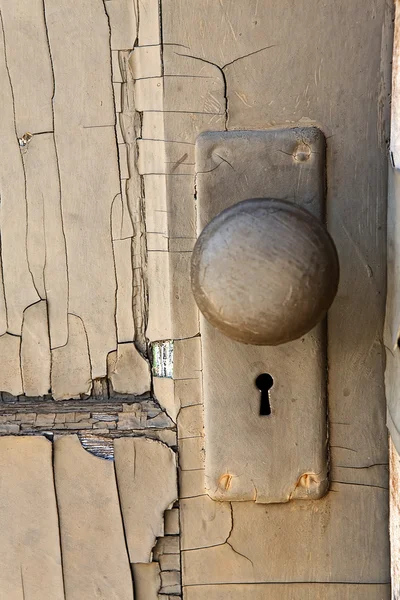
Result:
[[264, 382]]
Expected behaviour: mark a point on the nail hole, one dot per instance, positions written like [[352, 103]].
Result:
[[264, 383]]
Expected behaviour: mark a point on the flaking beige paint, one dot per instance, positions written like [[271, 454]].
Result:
[[222, 65]]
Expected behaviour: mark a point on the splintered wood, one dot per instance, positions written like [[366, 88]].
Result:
[[69, 278]]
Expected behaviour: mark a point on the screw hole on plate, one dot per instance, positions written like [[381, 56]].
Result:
[[264, 383]]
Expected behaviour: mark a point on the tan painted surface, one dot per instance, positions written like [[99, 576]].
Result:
[[98, 123], [279, 77], [289, 592], [30, 557], [146, 475], [95, 560]]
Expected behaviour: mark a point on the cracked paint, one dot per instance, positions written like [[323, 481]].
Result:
[[74, 257]]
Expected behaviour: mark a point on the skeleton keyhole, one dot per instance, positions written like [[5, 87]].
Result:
[[264, 382]]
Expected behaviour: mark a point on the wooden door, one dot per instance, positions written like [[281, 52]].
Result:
[[102, 365]]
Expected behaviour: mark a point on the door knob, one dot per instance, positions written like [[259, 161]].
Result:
[[264, 271]]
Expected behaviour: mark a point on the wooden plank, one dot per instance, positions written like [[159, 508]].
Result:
[[3, 307], [283, 72], [124, 275], [84, 120], [18, 285], [171, 522], [35, 351], [248, 456], [123, 23], [95, 558], [328, 531], [70, 364], [29, 65], [30, 558], [35, 234], [147, 581], [395, 104], [128, 371], [149, 22], [159, 326], [205, 522], [170, 582], [31, 78], [294, 591], [45, 235], [392, 319], [10, 373], [146, 476], [359, 239], [164, 391]]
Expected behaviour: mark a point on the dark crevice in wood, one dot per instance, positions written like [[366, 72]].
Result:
[[58, 517]]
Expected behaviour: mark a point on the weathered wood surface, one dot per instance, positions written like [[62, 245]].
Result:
[[146, 475], [19, 288], [67, 520], [313, 542], [30, 557], [128, 371], [94, 554], [70, 373], [47, 250], [394, 519], [35, 351], [147, 579], [316, 591], [258, 75], [294, 74], [70, 217]]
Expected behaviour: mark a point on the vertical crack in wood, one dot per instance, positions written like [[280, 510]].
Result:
[[20, 156], [123, 524], [58, 516]]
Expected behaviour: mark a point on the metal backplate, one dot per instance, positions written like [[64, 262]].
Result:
[[282, 456]]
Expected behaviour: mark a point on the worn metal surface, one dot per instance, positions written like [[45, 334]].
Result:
[[264, 271], [250, 456]]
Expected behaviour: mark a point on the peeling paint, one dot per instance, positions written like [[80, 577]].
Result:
[[163, 358], [25, 139]]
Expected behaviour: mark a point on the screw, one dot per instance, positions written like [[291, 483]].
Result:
[[302, 153]]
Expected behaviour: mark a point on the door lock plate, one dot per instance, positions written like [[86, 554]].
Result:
[[265, 407]]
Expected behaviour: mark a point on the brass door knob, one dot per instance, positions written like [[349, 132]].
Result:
[[264, 271]]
